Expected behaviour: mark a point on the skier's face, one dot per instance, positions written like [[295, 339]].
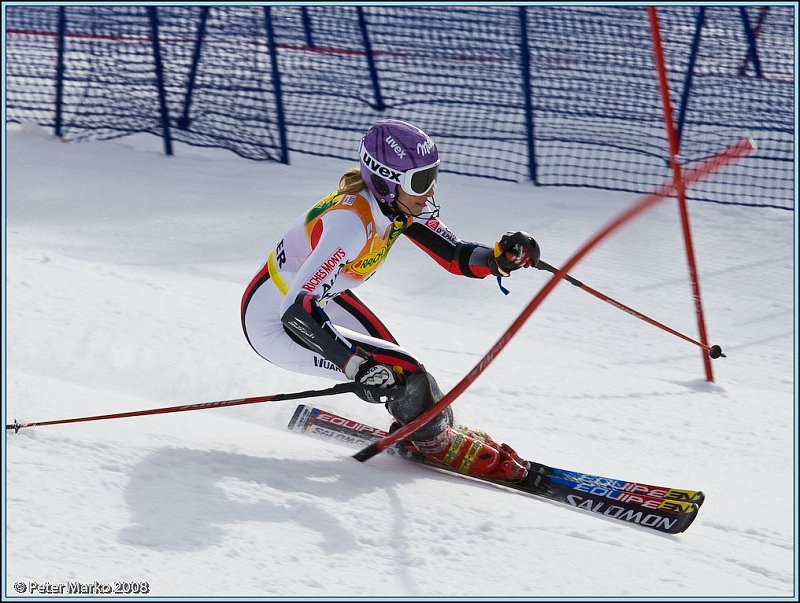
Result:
[[412, 205]]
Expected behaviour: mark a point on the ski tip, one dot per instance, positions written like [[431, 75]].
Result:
[[686, 496], [686, 520], [367, 453]]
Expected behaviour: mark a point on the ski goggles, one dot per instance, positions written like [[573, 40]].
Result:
[[415, 182]]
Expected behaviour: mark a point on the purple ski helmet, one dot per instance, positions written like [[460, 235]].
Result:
[[396, 154]]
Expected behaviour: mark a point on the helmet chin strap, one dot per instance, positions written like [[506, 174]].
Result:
[[433, 213]]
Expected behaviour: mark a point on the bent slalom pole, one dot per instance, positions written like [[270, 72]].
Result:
[[714, 351], [709, 166], [336, 389]]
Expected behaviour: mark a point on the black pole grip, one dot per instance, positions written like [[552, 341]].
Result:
[[367, 453]]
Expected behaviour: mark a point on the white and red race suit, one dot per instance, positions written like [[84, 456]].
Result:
[[336, 246]]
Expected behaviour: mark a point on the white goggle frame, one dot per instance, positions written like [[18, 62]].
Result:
[[403, 179]]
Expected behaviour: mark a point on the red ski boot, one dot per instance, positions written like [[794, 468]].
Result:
[[473, 453]]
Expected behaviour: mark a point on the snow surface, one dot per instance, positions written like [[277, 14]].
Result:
[[125, 270]]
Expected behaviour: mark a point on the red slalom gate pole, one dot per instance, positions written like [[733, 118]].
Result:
[[709, 166], [679, 183], [336, 389], [714, 351]]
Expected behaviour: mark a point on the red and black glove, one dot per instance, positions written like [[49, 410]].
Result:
[[515, 250]]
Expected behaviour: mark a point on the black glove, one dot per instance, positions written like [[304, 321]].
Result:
[[376, 382], [376, 375], [515, 250]]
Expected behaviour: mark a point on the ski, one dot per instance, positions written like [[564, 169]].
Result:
[[598, 481], [345, 430], [641, 504]]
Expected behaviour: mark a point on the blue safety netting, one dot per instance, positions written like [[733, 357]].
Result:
[[563, 96]]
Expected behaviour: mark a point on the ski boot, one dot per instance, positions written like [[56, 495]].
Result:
[[472, 453], [437, 442]]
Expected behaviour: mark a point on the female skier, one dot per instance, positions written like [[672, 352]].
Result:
[[299, 312]]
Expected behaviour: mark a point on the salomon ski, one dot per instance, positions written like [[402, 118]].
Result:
[[660, 508]]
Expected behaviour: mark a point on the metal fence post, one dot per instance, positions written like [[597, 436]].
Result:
[[307, 26], [373, 71], [162, 93], [687, 82], [184, 121], [762, 16], [62, 31], [751, 41], [525, 64], [276, 82]]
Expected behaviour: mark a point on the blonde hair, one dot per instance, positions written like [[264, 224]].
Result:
[[351, 182]]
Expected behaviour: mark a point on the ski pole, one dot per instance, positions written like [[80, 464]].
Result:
[[714, 351], [339, 388], [713, 164]]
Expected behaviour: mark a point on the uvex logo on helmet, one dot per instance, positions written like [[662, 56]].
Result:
[[377, 167], [396, 147]]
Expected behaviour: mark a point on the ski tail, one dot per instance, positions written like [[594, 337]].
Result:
[[329, 426]]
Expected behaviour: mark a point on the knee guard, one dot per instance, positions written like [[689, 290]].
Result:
[[421, 392]]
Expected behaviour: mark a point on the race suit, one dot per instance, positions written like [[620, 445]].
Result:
[[335, 247]]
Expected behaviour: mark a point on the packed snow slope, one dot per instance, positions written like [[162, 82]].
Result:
[[125, 270]]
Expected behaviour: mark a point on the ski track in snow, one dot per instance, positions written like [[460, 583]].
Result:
[[125, 273]]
